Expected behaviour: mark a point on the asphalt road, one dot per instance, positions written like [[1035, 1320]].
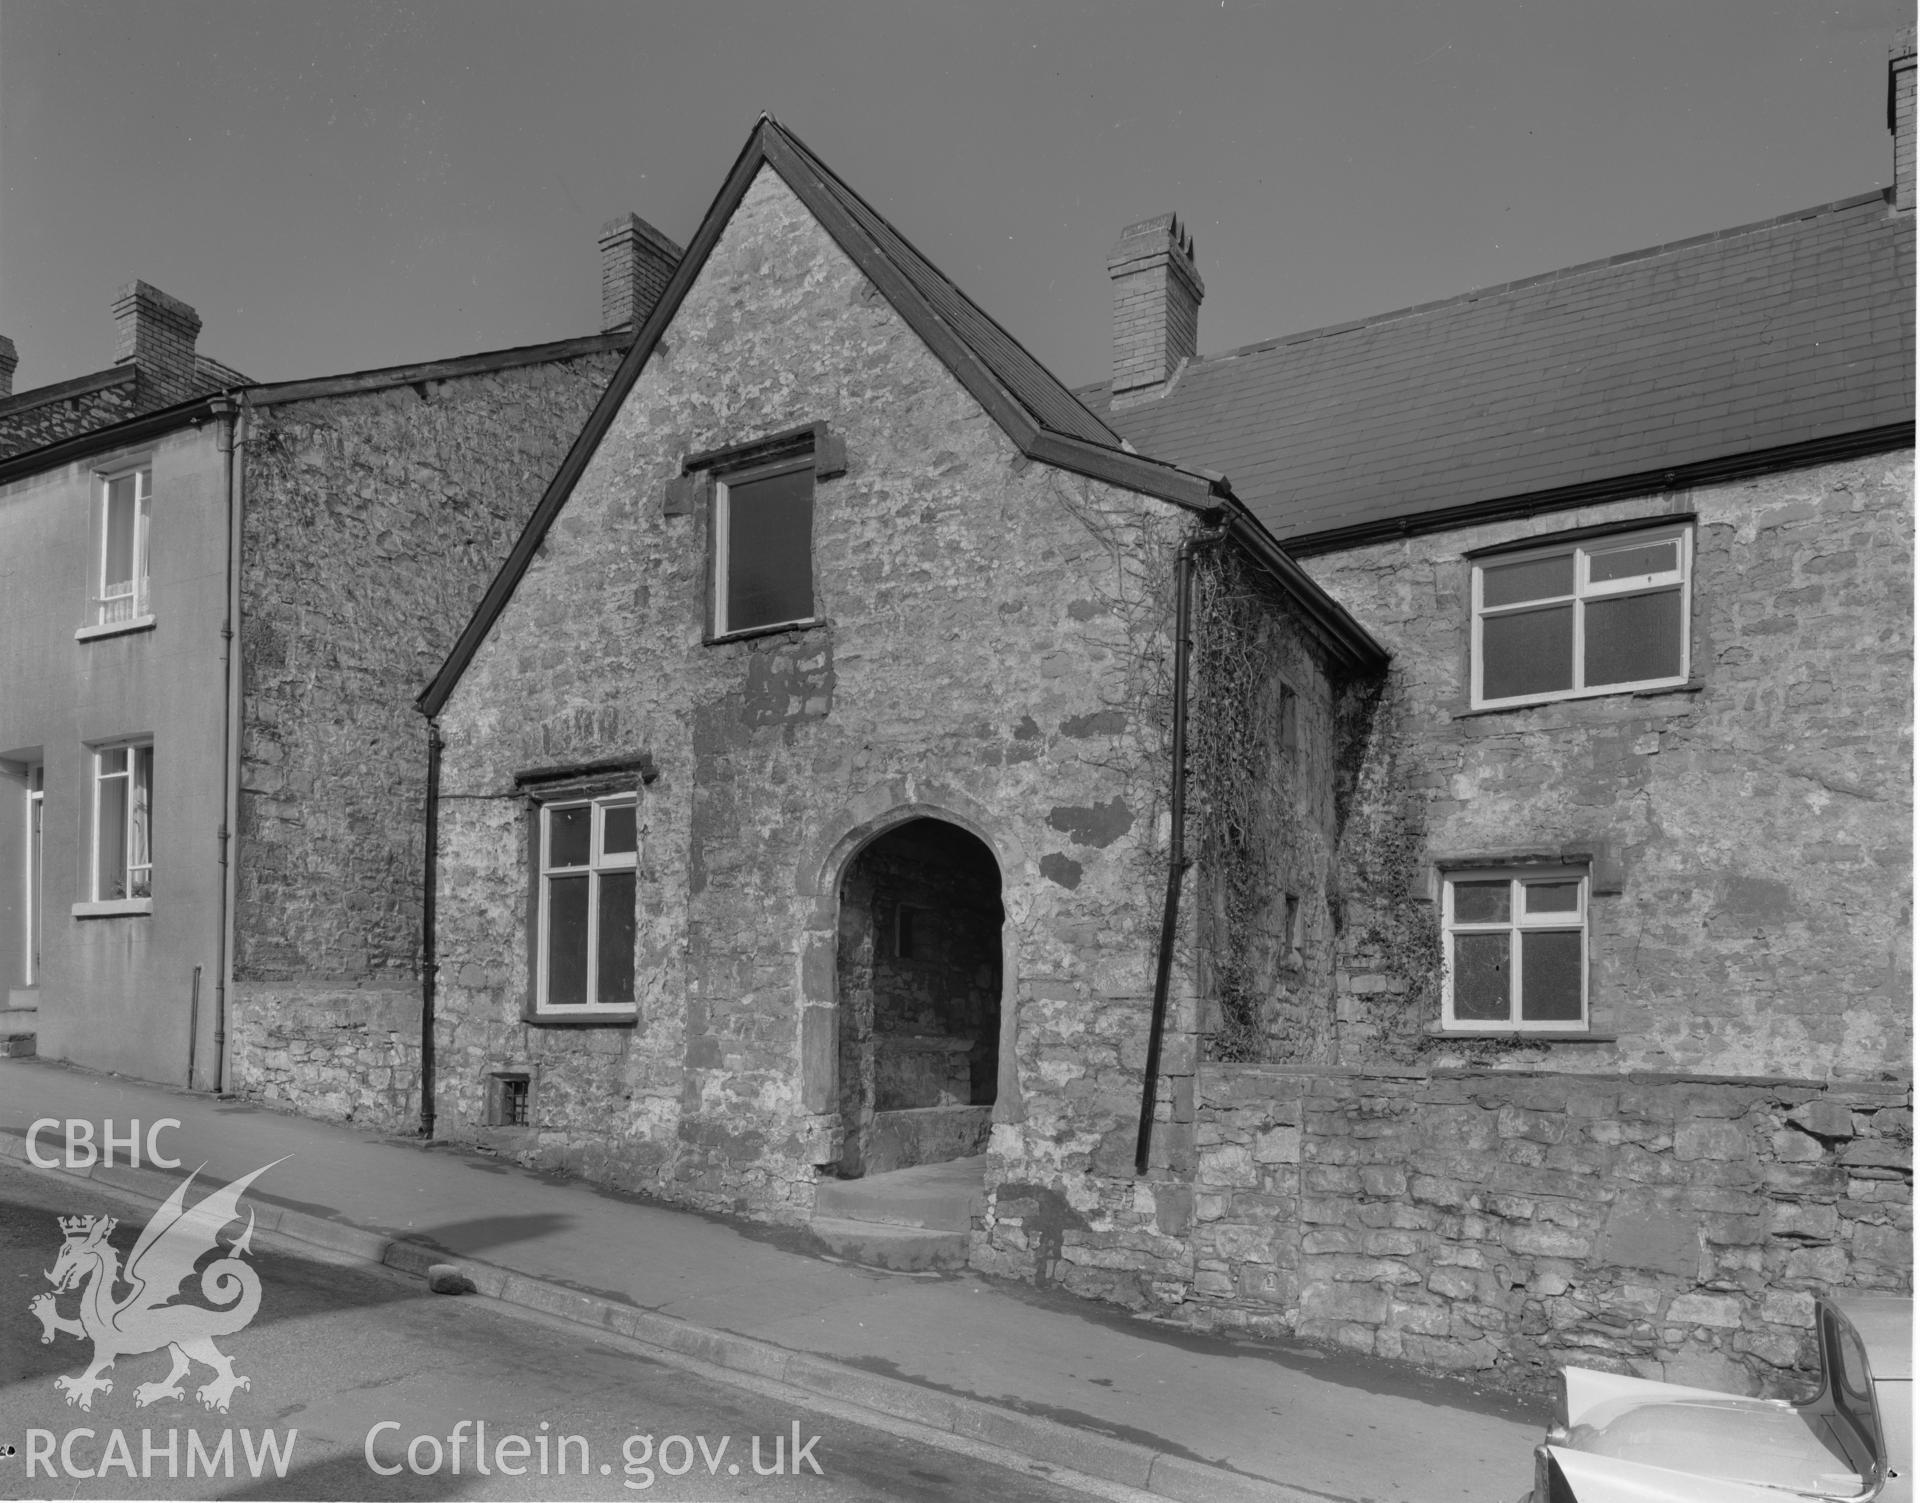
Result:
[[364, 1385]]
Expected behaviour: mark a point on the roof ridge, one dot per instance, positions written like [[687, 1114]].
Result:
[[447, 367], [1494, 289]]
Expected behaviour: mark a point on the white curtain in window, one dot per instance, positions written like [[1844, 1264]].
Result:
[[140, 825]]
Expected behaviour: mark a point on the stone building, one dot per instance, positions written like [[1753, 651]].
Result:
[[1615, 1060], [804, 794], [1540, 994], [216, 599]]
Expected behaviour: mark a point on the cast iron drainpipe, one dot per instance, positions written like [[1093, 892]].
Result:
[[1177, 861], [429, 958], [234, 408]]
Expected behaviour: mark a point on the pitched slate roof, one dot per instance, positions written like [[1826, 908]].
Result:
[[1045, 420], [1778, 338]]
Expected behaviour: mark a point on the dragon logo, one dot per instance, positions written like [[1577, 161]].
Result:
[[146, 1318]]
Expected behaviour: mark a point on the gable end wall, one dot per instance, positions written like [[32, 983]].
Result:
[[992, 653], [372, 525]]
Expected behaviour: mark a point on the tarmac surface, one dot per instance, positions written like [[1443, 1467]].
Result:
[[1046, 1376]]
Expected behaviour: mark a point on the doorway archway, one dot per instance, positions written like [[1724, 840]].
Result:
[[919, 975]]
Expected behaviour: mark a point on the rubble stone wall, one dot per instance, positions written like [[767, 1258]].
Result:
[[1748, 833], [992, 652], [1254, 780], [345, 1055], [1472, 1219], [373, 522]]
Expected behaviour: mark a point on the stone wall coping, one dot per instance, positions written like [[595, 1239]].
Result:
[[329, 986], [1227, 1070]]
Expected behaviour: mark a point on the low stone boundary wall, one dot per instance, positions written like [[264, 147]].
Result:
[[1494, 1220], [342, 1055], [1671, 1227]]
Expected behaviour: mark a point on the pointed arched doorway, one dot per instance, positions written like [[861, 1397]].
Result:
[[918, 972]]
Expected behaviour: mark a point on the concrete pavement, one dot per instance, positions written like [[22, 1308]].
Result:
[[1053, 1378]]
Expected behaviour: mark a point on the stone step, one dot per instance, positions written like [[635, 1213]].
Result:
[[907, 1249], [931, 1197]]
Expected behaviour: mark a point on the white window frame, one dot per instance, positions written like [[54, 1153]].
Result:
[[722, 533], [131, 608], [599, 862], [1584, 589], [98, 905], [1519, 922]]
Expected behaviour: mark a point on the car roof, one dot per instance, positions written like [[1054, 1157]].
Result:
[[1885, 1324]]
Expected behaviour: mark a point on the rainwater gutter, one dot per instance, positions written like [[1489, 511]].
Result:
[[429, 929], [1177, 860]]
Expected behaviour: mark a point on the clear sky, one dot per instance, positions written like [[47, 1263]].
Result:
[[339, 186]]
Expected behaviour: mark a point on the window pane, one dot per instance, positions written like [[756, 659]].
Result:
[[618, 834], [1629, 563], [1534, 579], [566, 940], [112, 838], [569, 835], [1553, 897], [770, 550], [616, 938], [1480, 977], [1481, 902], [1550, 976], [1529, 652], [120, 518], [1850, 1367], [1633, 637]]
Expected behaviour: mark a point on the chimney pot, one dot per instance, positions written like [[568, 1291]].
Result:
[[1900, 115], [9, 360], [635, 262], [157, 334], [1156, 306]]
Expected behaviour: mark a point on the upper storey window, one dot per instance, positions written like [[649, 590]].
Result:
[[758, 497], [763, 548], [1597, 616], [120, 583]]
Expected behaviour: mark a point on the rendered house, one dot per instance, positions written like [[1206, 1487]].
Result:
[[214, 595], [1538, 984]]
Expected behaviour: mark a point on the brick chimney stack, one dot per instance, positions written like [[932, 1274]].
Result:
[[157, 334], [9, 360], [635, 262], [1156, 305], [1900, 115]]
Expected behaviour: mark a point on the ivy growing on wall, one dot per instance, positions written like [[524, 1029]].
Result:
[[1251, 844], [1390, 945]]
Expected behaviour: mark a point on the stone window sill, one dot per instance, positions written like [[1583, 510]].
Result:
[[609, 1018], [1529, 1035], [113, 628], [113, 908], [747, 634], [1692, 686]]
